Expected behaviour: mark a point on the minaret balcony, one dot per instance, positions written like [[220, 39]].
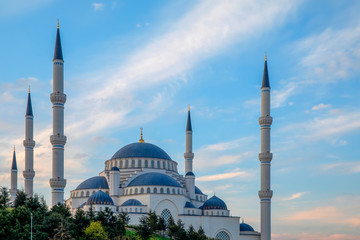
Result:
[[58, 97], [29, 173], [29, 143], [189, 155], [57, 140], [265, 194], [265, 120], [265, 157], [57, 183]]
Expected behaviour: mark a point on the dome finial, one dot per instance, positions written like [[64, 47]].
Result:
[[189, 107], [58, 23], [14, 148], [265, 57], [29, 88], [141, 136]]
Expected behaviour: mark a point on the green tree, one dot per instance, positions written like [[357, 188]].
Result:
[[81, 221], [95, 231], [143, 229], [4, 197], [21, 199], [124, 217]]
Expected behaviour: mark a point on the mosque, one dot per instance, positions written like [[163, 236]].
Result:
[[141, 176]]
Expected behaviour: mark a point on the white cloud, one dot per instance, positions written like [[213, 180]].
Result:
[[223, 176], [98, 6], [320, 106], [342, 167], [295, 196]]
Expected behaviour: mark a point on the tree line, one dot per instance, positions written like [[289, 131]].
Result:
[[58, 223]]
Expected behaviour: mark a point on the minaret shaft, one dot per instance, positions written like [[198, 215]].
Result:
[[265, 157], [29, 145], [14, 178], [58, 139]]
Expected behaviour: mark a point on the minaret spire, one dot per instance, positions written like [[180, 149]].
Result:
[[189, 156], [265, 157], [13, 189], [58, 139], [29, 145]]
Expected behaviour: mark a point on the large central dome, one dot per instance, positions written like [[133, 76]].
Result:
[[141, 149]]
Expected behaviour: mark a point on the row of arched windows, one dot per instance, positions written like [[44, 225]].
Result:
[[154, 190], [200, 198], [216, 213], [162, 164], [84, 193]]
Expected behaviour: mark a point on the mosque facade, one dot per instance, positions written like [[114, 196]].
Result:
[[141, 177]]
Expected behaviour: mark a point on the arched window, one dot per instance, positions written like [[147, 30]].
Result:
[[152, 164], [146, 163], [161, 190], [168, 167], [223, 213], [77, 194], [168, 191], [166, 215], [126, 163], [148, 190], [173, 191], [100, 208], [132, 163], [93, 192], [142, 190], [121, 164], [155, 190], [178, 191], [130, 210], [87, 193], [211, 213], [218, 213], [189, 212], [197, 198], [193, 212], [135, 209], [222, 235], [164, 165], [136, 191], [139, 163], [158, 164], [131, 191]]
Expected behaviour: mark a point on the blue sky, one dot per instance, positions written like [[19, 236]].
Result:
[[132, 64]]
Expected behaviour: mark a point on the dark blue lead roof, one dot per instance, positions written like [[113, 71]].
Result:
[[214, 203], [14, 165], [265, 82], [197, 190], [114, 169], [189, 174], [29, 111], [141, 149], [132, 202], [188, 124], [189, 205], [99, 198], [58, 51], [157, 179], [94, 182], [245, 227]]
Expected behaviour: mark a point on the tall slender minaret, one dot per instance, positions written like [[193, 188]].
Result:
[[14, 177], [58, 140], [29, 145], [265, 157], [189, 156]]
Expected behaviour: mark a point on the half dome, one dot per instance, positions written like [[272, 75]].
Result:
[[132, 202], [141, 149], [214, 203], [154, 178], [246, 227], [99, 198], [94, 182]]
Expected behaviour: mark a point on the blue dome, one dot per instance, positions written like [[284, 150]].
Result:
[[214, 203], [197, 190], [246, 227], [94, 182], [190, 174], [157, 179], [189, 205], [114, 169], [138, 149], [99, 198], [132, 202]]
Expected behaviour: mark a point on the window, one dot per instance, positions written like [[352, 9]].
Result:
[[193, 212], [155, 190], [168, 191], [100, 208], [135, 209], [126, 163], [139, 163], [158, 164], [136, 191], [130, 191], [130, 210], [178, 191], [146, 163], [121, 164], [197, 198], [93, 192], [161, 190], [87, 193], [222, 235], [173, 191], [148, 190], [164, 165], [166, 215], [152, 164], [142, 190], [132, 163]]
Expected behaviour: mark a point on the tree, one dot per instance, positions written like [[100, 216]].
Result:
[[144, 230], [95, 231], [124, 217], [81, 221], [4, 197], [21, 199]]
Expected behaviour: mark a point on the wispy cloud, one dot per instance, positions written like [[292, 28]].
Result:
[[342, 167], [295, 196], [320, 106], [98, 6], [223, 176]]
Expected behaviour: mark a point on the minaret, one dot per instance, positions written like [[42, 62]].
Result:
[[13, 188], [189, 156], [265, 157], [29, 144], [58, 140]]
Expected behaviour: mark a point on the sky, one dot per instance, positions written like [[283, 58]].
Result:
[[133, 64]]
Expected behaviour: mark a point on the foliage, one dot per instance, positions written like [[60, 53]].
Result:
[[95, 231]]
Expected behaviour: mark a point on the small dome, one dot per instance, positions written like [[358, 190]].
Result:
[[141, 149], [99, 198], [190, 174], [214, 203], [132, 202], [153, 178], [114, 169], [197, 190], [246, 227], [189, 205], [94, 182]]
